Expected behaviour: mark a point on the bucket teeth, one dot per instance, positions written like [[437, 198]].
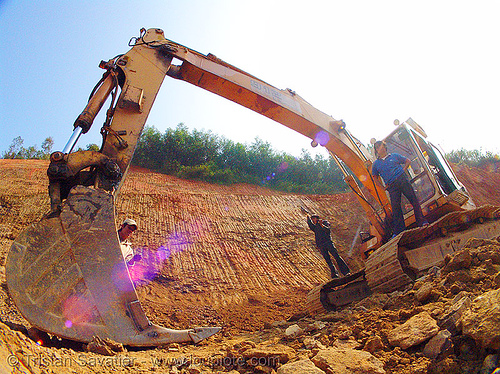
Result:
[[200, 333]]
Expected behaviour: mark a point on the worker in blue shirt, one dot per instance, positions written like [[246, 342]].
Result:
[[391, 167]]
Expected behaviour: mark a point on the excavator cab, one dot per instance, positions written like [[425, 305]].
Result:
[[436, 186]]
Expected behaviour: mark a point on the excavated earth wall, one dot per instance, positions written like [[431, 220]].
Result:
[[237, 256], [243, 258]]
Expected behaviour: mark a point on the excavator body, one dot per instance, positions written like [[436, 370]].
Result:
[[66, 273], [393, 263]]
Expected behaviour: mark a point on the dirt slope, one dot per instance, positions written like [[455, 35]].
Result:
[[239, 256], [482, 183]]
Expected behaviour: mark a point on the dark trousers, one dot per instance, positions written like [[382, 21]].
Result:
[[399, 187], [325, 252]]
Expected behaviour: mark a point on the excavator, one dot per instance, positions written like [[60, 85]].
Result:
[[66, 273]]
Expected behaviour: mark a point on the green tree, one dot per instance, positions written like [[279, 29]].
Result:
[[47, 145], [150, 151], [473, 158], [93, 147], [14, 148], [263, 160]]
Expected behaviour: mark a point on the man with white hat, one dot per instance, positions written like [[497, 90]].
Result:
[[126, 229]]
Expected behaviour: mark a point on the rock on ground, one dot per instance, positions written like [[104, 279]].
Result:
[[416, 330], [347, 361], [300, 367], [438, 344], [481, 321]]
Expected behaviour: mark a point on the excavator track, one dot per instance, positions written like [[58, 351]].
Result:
[[407, 256], [413, 252], [337, 293], [67, 277]]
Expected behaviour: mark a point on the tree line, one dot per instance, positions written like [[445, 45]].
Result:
[[205, 156], [17, 150], [202, 155], [473, 158]]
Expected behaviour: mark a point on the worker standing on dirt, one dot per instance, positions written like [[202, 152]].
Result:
[[325, 245], [392, 168], [126, 229]]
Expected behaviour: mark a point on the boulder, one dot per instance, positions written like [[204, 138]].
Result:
[[416, 330], [347, 361], [450, 320], [373, 344], [481, 321], [490, 363], [316, 325], [424, 292], [438, 344], [461, 260], [311, 343], [300, 367], [269, 355], [293, 331], [105, 347]]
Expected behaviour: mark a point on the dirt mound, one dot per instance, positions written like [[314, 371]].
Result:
[[482, 183], [243, 258]]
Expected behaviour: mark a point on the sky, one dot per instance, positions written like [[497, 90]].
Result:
[[366, 62]]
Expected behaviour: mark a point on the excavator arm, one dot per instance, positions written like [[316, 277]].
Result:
[[66, 273], [141, 72]]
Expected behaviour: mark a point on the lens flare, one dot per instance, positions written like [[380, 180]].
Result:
[[147, 269], [283, 166], [322, 138], [76, 309], [121, 277]]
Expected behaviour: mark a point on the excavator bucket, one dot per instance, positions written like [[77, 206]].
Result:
[[67, 276]]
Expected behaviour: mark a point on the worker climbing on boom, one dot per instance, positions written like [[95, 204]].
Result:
[[126, 229], [325, 245], [392, 168]]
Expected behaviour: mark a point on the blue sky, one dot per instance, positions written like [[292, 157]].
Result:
[[366, 62]]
